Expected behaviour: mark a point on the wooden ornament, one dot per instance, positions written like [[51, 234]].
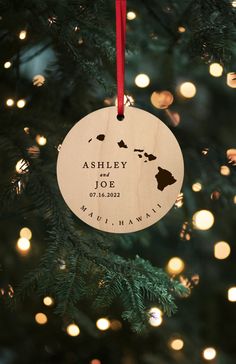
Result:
[[120, 176]]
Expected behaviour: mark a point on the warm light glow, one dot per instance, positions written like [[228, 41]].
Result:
[[38, 80], [41, 318], [103, 324], [23, 244], [180, 200], [73, 330], [21, 166], [231, 79], [203, 220], [10, 102], [26, 233], [177, 344], [142, 80], [48, 301], [181, 29], [234, 4], [221, 250], [224, 171], [21, 103], [41, 140], [95, 361], [23, 34], [209, 353], [188, 90], [234, 199], [155, 319], [131, 15], [196, 187], [175, 265], [215, 69], [7, 64], [232, 294], [162, 100]]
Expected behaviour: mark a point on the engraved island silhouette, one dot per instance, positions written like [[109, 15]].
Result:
[[164, 178]]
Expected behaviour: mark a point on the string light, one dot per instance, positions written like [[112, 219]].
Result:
[[181, 29], [142, 80], [203, 220], [209, 353], [7, 64], [48, 301], [21, 103], [23, 34], [22, 166], [232, 294], [188, 90], [26, 233], [41, 318], [38, 80], [41, 140], [155, 319], [215, 69], [23, 245], [196, 187], [221, 250], [176, 344], [224, 171], [103, 324], [9, 102], [180, 200], [73, 330], [175, 265], [131, 15]]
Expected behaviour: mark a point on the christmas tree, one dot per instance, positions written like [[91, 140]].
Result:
[[73, 294]]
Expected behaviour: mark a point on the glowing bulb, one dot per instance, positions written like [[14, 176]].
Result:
[[224, 171], [196, 187], [23, 34], [41, 140], [21, 103], [38, 80], [203, 220], [103, 324], [175, 265], [155, 319], [234, 4], [10, 102], [142, 80], [7, 64], [215, 69], [221, 250], [22, 166], [23, 244], [26, 233], [48, 301], [188, 90], [232, 294], [73, 330], [41, 318], [181, 29], [209, 353], [131, 15], [177, 344]]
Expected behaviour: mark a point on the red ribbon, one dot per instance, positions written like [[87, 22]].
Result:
[[120, 53]]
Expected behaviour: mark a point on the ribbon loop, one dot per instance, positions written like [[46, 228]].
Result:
[[120, 54]]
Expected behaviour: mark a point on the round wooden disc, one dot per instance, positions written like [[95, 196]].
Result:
[[120, 176]]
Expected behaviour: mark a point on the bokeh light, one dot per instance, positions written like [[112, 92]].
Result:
[[176, 344], [95, 361], [188, 90], [131, 15], [181, 29], [203, 220], [231, 79], [224, 171], [73, 330], [9, 102], [48, 301], [41, 140], [7, 64], [162, 100], [175, 265], [38, 80], [23, 34], [196, 187], [215, 69], [155, 319], [21, 103], [232, 294], [142, 80], [209, 353], [221, 250], [41, 318], [26, 233], [23, 245], [103, 324]]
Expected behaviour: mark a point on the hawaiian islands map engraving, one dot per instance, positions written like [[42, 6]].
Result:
[[163, 177]]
